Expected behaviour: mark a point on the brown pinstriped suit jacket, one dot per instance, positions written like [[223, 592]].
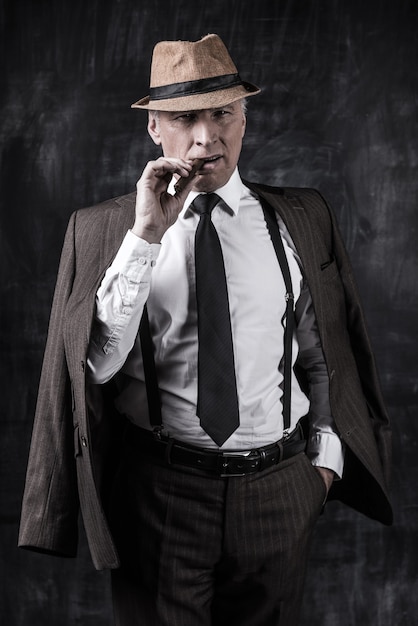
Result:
[[70, 463]]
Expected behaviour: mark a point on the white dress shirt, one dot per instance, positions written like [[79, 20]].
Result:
[[163, 275]]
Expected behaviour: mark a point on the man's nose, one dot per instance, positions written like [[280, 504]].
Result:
[[205, 133]]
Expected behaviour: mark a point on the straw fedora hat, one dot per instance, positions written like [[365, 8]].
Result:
[[193, 75]]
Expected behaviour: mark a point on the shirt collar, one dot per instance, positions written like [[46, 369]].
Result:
[[231, 193]]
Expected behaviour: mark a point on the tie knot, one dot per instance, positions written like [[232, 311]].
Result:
[[205, 203]]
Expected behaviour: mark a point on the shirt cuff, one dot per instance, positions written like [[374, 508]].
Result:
[[135, 257], [327, 450]]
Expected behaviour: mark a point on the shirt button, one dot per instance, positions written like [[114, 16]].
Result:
[[142, 261], [152, 263]]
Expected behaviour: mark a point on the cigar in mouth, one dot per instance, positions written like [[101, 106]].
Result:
[[182, 182]]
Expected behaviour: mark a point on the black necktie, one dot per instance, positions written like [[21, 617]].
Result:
[[217, 400]]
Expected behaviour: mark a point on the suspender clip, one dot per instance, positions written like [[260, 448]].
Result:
[[158, 432]]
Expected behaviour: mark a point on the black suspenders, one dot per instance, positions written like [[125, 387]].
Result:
[[288, 319], [150, 373], [151, 380]]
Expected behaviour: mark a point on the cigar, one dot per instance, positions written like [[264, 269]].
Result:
[[182, 182]]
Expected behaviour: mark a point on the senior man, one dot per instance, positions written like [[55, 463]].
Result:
[[208, 380]]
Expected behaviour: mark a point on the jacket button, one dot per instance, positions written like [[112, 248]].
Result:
[[84, 441]]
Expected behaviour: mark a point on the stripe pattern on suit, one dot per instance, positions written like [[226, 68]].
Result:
[[71, 460]]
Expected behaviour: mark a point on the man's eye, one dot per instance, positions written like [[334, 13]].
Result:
[[221, 113], [185, 117]]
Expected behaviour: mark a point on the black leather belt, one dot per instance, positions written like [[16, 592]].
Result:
[[218, 463]]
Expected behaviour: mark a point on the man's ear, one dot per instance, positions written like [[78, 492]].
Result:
[[244, 124], [153, 128]]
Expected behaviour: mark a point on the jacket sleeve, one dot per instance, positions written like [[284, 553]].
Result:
[[50, 501], [362, 351]]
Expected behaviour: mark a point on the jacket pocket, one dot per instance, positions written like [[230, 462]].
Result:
[[329, 270], [77, 445]]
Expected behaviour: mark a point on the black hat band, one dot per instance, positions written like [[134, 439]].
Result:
[[194, 87]]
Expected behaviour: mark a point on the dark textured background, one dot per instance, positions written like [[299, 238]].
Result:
[[339, 111]]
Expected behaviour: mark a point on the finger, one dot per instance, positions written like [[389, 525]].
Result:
[[163, 166], [186, 182]]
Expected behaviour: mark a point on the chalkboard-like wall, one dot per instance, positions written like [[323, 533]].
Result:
[[338, 111]]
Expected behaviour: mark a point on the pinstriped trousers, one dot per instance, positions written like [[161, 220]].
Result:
[[204, 551]]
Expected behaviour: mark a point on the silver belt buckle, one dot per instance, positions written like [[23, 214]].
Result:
[[224, 461]]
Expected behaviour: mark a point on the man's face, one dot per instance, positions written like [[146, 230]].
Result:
[[214, 135]]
